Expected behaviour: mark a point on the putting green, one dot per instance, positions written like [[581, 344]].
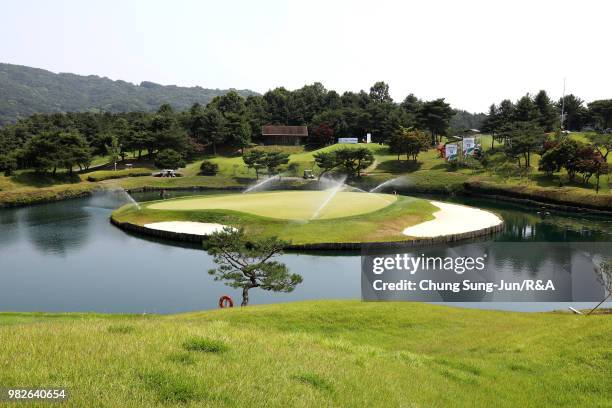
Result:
[[292, 205]]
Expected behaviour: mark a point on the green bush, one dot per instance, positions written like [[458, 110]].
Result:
[[169, 159], [209, 168]]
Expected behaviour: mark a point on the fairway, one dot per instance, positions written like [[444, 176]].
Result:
[[291, 205]]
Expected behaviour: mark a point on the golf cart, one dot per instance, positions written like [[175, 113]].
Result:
[[167, 173], [308, 175]]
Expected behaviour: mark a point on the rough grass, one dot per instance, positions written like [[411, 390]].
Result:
[[289, 205], [205, 345], [385, 224], [313, 354]]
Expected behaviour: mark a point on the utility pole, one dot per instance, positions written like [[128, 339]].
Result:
[[563, 105]]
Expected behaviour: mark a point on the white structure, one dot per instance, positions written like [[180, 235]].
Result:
[[348, 140]]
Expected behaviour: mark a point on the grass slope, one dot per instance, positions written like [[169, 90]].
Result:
[[295, 205], [430, 174], [385, 224], [314, 354]]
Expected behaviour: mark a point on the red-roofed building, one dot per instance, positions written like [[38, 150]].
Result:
[[284, 135]]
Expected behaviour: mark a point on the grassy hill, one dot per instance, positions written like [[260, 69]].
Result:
[[325, 353], [28, 90]]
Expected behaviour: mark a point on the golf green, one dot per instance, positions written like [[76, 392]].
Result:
[[288, 205]]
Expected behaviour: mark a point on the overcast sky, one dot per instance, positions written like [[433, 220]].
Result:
[[472, 53]]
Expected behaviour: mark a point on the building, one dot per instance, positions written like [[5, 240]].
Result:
[[284, 135]]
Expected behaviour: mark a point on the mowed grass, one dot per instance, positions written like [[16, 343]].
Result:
[[382, 225], [291, 205], [315, 354]]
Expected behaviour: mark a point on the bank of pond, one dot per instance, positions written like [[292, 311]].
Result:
[[66, 256]]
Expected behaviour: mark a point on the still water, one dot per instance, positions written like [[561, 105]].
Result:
[[66, 256]]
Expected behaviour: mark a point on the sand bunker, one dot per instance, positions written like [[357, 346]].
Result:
[[186, 227], [453, 219]]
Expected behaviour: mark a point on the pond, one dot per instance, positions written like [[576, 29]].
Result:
[[66, 257]]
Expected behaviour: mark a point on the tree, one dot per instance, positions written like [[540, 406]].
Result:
[[114, 151], [166, 132], [74, 150], [604, 276], [379, 92], [213, 124], [237, 131], [522, 139], [492, 123], [326, 161], [169, 159], [354, 160], [322, 135], [435, 116], [8, 163], [41, 152], [547, 115], [273, 160], [602, 143], [409, 142], [526, 110], [575, 114], [254, 159], [601, 112], [590, 162], [248, 264]]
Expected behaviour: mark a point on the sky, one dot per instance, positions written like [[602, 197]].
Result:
[[473, 53]]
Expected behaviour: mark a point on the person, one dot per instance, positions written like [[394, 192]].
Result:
[[162, 193]]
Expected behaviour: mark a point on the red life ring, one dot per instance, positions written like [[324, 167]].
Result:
[[225, 301]]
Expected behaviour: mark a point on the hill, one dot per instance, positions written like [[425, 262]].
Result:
[[313, 354], [25, 90]]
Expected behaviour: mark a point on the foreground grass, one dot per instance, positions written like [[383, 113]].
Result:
[[383, 225], [314, 354]]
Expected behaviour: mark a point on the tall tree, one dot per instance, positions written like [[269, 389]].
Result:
[[435, 117], [379, 92], [601, 112], [526, 110], [547, 114], [574, 112], [492, 123], [213, 128]]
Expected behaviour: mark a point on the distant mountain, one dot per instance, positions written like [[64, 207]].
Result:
[[26, 90]]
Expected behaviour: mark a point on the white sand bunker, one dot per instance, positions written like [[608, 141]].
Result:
[[453, 219], [187, 227]]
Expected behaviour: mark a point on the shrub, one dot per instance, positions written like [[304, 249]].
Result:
[[209, 168], [169, 159]]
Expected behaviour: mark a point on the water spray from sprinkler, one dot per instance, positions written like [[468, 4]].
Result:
[[331, 195]]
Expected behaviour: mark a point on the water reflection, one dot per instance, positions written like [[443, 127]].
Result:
[[66, 256]]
